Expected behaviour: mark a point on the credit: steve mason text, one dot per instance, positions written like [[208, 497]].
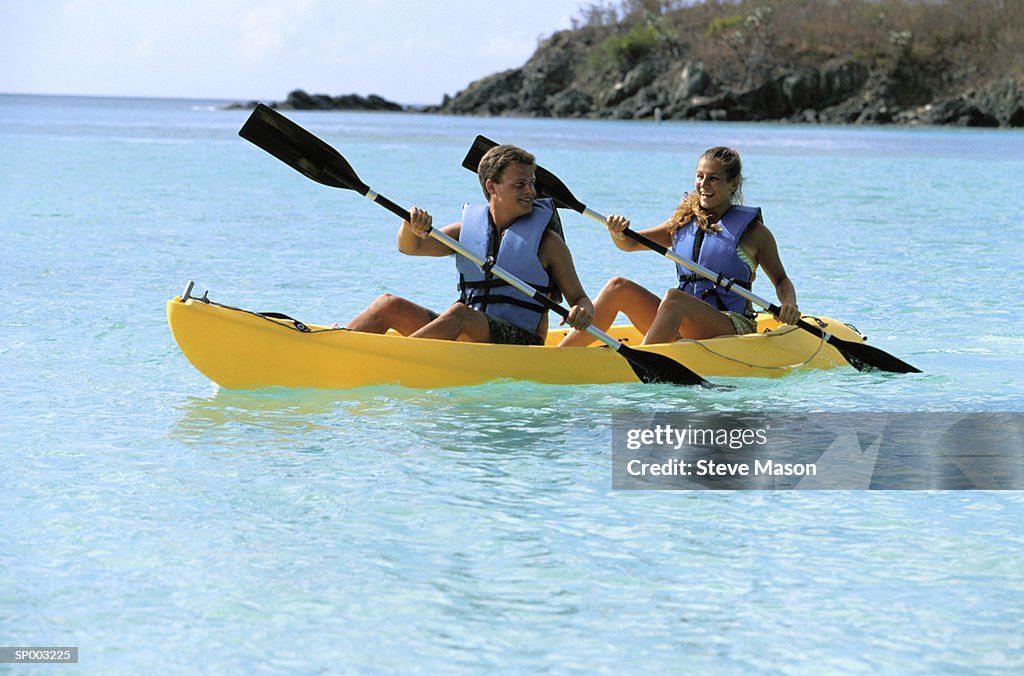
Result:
[[712, 468]]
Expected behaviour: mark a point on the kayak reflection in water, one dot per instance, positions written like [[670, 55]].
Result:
[[520, 234], [710, 228]]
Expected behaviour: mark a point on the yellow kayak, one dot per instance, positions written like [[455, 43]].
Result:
[[240, 349]]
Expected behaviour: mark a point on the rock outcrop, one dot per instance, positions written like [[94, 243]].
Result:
[[571, 75], [300, 100]]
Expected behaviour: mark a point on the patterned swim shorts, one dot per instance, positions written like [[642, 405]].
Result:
[[503, 333], [743, 323]]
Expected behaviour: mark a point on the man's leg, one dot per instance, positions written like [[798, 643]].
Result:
[[459, 322], [391, 312]]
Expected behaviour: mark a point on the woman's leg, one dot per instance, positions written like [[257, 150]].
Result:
[[618, 295], [681, 315]]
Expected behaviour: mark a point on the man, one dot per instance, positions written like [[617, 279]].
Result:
[[519, 233]]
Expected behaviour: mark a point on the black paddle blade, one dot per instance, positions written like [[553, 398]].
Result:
[[861, 356], [864, 357], [653, 368], [481, 144], [548, 185], [299, 149]]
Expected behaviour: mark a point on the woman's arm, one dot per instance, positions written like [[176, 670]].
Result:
[[659, 233], [759, 242]]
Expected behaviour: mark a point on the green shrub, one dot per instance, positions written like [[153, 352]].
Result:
[[723, 24], [633, 46]]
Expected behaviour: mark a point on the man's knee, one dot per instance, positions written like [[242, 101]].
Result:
[[458, 322], [458, 311], [386, 300], [389, 305]]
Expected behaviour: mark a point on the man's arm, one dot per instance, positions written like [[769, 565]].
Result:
[[557, 260], [414, 240]]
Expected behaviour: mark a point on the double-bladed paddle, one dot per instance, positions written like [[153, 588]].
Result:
[[309, 155], [861, 356]]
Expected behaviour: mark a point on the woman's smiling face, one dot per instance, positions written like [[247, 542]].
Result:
[[714, 190]]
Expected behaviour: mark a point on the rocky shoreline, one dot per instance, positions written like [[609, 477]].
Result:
[[839, 91]]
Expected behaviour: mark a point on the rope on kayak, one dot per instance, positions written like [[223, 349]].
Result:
[[777, 334]]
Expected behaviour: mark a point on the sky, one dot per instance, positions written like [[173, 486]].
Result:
[[412, 52]]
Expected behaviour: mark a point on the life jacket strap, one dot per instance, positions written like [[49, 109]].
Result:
[[509, 300], [721, 285], [496, 283], [724, 282]]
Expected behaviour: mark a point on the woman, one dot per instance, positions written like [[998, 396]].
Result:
[[708, 227]]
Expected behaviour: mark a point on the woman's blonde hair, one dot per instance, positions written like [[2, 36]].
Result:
[[689, 208]]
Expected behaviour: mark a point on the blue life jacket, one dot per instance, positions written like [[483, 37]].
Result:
[[717, 252], [516, 253]]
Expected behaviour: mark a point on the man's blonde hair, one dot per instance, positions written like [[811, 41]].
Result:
[[496, 160]]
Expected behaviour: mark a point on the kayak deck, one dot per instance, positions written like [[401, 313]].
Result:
[[240, 349]]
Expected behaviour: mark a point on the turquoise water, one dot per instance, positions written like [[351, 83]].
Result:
[[153, 520]]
